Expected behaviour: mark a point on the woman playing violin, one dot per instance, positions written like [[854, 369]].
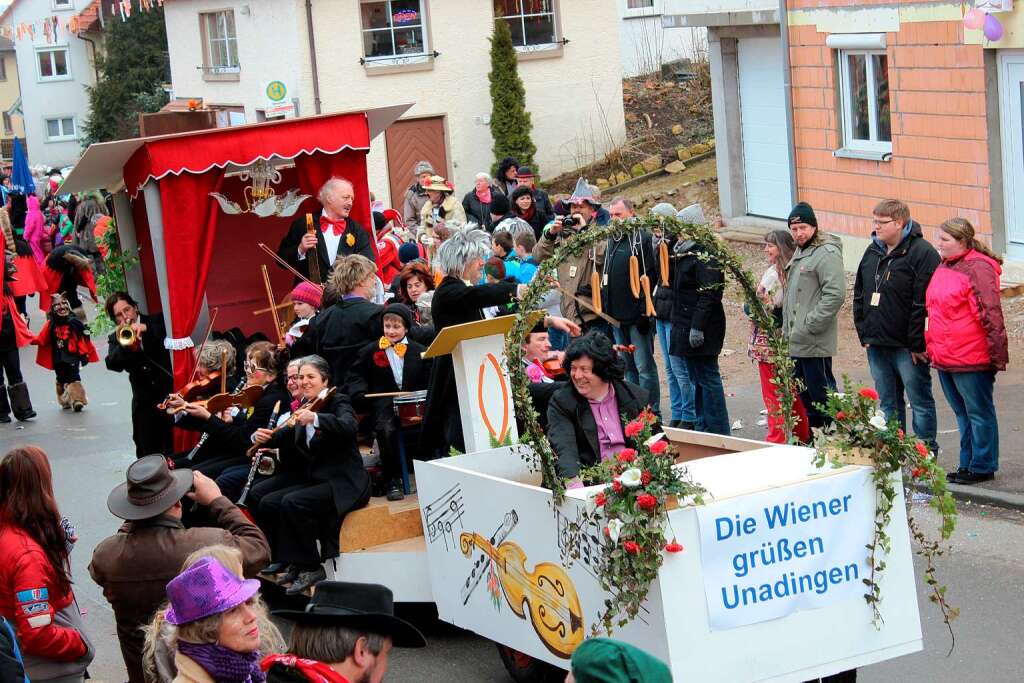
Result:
[[308, 503], [230, 431]]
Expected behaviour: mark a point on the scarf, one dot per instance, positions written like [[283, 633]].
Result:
[[224, 665], [315, 671], [485, 196], [528, 213]]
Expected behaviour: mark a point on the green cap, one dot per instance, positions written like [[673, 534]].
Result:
[[603, 660]]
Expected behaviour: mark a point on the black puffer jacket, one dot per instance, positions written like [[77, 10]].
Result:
[[616, 294], [664, 298], [900, 277], [697, 288]]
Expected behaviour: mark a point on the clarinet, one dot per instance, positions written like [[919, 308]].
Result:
[[256, 459]]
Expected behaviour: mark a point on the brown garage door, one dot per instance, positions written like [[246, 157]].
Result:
[[408, 143]]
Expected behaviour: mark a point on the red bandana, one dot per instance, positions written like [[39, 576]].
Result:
[[338, 225], [311, 669]]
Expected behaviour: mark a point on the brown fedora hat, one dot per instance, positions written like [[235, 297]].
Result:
[[151, 489]]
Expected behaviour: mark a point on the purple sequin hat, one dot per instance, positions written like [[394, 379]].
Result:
[[206, 588]]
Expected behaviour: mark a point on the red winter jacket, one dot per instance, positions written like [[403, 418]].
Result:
[[30, 599], [965, 331]]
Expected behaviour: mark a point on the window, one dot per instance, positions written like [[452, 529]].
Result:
[[639, 4], [864, 96], [61, 4], [8, 124], [220, 42], [3, 66], [61, 129], [393, 29], [53, 64], [532, 21]]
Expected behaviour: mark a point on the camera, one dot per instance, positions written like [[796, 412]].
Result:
[[571, 221]]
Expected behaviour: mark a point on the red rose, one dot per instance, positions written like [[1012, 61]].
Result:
[[631, 547], [840, 416], [607, 531], [917, 472], [616, 486], [673, 547], [659, 446], [645, 477], [600, 499], [380, 359], [868, 392], [627, 455], [633, 428], [921, 449], [646, 501], [648, 416]]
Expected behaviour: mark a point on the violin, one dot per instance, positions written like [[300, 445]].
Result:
[[195, 391], [546, 597], [242, 398], [553, 366], [313, 405]]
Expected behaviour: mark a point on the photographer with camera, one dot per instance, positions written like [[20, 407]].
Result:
[[134, 565], [575, 274]]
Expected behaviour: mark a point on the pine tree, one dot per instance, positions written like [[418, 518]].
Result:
[[132, 66], [510, 122]]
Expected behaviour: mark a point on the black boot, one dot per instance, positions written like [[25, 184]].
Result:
[[5, 406], [20, 401]]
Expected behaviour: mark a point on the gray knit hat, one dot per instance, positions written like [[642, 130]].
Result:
[[423, 167], [663, 209]]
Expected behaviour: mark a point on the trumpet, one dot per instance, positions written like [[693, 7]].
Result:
[[126, 335]]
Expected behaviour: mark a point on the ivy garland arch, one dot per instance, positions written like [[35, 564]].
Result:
[[890, 453]]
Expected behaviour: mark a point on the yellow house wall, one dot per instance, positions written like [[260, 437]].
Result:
[[9, 93]]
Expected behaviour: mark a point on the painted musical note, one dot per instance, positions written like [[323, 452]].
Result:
[[481, 565], [443, 514]]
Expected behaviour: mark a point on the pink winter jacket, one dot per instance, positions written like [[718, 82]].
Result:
[[965, 331], [35, 229]]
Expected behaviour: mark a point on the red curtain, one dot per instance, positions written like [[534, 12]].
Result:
[[190, 225], [316, 169]]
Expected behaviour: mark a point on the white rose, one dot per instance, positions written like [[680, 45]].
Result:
[[878, 420], [614, 527], [630, 478]]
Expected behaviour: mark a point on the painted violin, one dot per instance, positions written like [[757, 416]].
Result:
[[546, 597]]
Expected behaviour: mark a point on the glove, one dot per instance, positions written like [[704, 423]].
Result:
[[696, 338]]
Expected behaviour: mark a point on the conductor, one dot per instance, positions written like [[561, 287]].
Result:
[[335, 233]]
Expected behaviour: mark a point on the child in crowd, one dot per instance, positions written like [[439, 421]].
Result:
[[64, 346], [503, 248], [524, 244], [392, 363], [306, 302]]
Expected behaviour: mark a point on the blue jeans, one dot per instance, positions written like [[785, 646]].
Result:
[[970, 396], [709, 395], [894, 370], [680, 390], [640, 366]]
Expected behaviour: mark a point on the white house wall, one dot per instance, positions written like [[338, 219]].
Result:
[[645, 45], [575, 96], [53, 99]]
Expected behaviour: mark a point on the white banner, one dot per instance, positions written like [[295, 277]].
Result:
[[769, 554]]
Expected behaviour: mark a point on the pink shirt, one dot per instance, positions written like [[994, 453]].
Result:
[[609, 424]]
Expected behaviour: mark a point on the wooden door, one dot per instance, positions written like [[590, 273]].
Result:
[[410, 142]]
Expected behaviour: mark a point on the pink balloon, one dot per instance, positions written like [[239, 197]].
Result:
[[993, 29], [974, 19]]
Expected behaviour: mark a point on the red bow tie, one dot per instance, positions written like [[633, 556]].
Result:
[[338, 225]]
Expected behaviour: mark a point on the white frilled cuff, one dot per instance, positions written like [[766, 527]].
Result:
[[178, 344]]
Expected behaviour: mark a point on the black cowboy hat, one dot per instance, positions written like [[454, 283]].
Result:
[[151, 489], [367, 607]]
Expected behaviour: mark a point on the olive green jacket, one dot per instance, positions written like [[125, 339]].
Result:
[[815, 290]]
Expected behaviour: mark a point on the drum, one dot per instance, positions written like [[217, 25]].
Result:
[[412, 408]]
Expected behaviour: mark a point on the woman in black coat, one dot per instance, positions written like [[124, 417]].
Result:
[[698, 332], [587, 416], [325, 481], [524, 205], [477, 202]]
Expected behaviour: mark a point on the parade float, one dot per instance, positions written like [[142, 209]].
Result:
[[729, 559]]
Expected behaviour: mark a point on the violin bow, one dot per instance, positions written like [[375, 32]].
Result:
[[314, 262], [224, 371], [284, 264], [273, 308], [213, 318]]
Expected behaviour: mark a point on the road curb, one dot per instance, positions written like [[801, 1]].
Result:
[[980, 496]]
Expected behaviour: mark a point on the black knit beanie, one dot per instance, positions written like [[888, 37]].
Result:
[[402, 311], [803, 213]]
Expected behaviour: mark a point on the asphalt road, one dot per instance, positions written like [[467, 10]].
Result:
[[90, 451]]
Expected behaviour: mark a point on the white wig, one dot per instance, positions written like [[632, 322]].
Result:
[[331, 187], [484, 176], [456, 252], [514, 226]]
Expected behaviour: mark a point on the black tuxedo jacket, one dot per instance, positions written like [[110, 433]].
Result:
[[148, 368], [366, 377], [339, 332], [289, 247]]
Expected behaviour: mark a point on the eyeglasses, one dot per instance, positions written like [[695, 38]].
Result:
[[887, 220]]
